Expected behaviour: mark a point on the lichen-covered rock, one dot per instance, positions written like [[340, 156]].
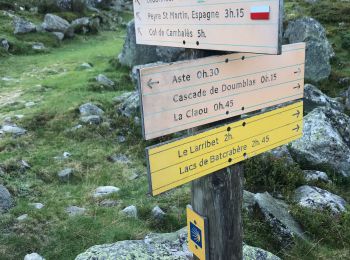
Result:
[[54, 23], [281, 153], [318, 49], [325, 141], [168, 246], [158, 213], [14, 130], [316, 198], [316, 176], [276, 214], [129, 104], [316, 98], [105, 81], [248, 200], [33, 256], [130, 211], [6, 201], [347, 99], [255, 253], [75, 211], [23, 26], [90, 109]]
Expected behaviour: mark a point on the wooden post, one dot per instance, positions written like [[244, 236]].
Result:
[[219, 198]]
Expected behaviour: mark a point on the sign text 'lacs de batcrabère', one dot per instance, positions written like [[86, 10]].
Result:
[[188, 94], [178, 162], [197, 228], [243, 26]]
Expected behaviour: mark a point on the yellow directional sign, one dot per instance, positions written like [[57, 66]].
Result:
[[197, 227], [178, 162]]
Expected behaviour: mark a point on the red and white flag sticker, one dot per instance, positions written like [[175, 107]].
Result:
[[260, 12]]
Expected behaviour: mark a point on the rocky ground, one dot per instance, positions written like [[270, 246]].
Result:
[[72, 166]]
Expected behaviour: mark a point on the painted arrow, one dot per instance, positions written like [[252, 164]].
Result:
[[297, 114], [137, 2], [138, 15], [151, 83], [297, 87], [139, 30], [298, 71], [297, 128]]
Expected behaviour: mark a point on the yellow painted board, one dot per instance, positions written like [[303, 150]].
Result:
[[178, 162], [197, 228]]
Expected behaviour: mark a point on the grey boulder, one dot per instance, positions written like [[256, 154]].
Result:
[[105, 81], [167, 246], [158, 213], [276, 214], [104, 191], [316, 98], [130, 211], [129, 103], [316, 176], [6, 201], [316, 198], [325, 141], [54, 23], [75, 211], [14, 130], [5, 44], [90, 109], [318, 49], [91, 120], [65, 175], [33, 256], [23, 26], [59, 35]]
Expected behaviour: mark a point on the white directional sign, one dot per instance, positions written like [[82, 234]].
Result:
[[188, 94], [244, 26]]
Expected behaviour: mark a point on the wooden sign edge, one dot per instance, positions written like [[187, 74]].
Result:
[[206, 232], [235, 119], [279, 36]]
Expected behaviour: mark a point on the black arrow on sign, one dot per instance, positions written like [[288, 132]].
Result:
[[138, 15], [297, 128], [138, 2], [297, 87], [150, 83], [298, 71], [139, 30], [297, 114]]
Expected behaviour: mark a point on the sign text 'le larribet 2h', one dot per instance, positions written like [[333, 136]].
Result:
[[242, 26], [188, 94], [178, 162]]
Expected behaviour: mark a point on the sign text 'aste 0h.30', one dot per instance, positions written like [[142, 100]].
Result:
[[178, 162], [244, 26], [188, 94]]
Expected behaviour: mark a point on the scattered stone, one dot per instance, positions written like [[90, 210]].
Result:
[[120, 158], [75, 211], [316, 98], [91, 120], [37, 205], [104, 191], [81, 25], [130, 211], [248, 201], [24, 165], [316, 198], [121, 139], [316, 176], [276, 214], [22, 217], [109, 203], [326, 140], [158, 213], [14, 130], [165, 246], [5, 44], [134, 175], [105, 81], [38, 46], [54, 23], [85, 66], [318, 49], [129, 103], [59, 35], [29, 104], [23, 26], [34, 256], [90, 109], [65, 174], [18, 117], [64, 156], [6, 201], [75, 128]]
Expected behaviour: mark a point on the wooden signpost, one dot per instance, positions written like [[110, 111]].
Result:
[[184, 160], [188, 94], [244, 26]]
